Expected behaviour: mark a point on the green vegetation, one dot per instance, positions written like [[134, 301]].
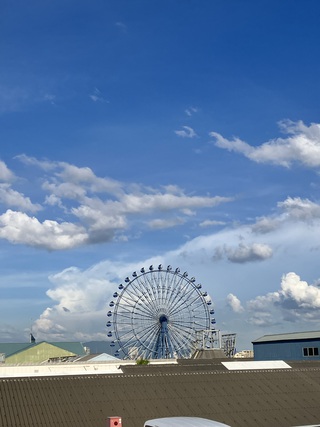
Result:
[[143, 362]]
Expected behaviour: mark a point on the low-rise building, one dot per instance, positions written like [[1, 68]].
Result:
[[290, 346]]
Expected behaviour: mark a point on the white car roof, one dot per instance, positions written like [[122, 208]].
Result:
[[183, 422]]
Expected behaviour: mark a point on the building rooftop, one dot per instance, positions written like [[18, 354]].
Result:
[[190, 388], [289, 336]]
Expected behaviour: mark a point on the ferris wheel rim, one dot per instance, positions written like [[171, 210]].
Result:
[[147, 298]]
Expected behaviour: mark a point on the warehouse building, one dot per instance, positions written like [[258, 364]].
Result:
[[290, 346], [26, 353]]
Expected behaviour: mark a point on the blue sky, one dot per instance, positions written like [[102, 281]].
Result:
[[140, 132]]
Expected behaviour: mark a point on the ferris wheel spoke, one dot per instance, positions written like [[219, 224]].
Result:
[[149, 290], [148, 336], [143, 310], [180, 303], [178, 342], [183, 331], [128, 303], [189, 303], [178, 291]]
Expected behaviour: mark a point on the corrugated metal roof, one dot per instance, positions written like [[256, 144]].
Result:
[[289, 336], [264, 398]]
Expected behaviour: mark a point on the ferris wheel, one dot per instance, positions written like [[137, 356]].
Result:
[[158, 313]]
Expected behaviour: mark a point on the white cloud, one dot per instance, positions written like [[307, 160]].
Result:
[[302, 145], [191, 110], [19, 228], [96, 96], [292, 210], [299, 291], [5, 173], [121, 26], [134, 203], [244, 252], [234, 303], [80, 303], [46, 165], [187, 132], [165, 223], [300, 209], [98, 209], [12, 198], [210, 223], [295, 300]]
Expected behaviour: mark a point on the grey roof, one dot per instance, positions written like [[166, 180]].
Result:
[[183, 422], [191, 388], [289, 336]]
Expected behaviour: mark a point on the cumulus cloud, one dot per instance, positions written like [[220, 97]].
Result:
[[234, 303], [244, 252], [291, 210], [12, 198], [301, 145], [186, 132], [91, 209], [295, 300], [19, 228], [5, 173], [300, 209], [80, 301]]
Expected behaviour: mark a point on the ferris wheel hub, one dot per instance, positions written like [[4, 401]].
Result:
[[163, 318]]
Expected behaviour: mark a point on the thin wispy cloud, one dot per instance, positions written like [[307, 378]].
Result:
[[190, 111], [122, 26], [186, 132], [96, 96], [159, 223], [211, 223]]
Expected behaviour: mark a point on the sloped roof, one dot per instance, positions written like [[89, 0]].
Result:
[[13, 348], [289, 336], [192, 388], [104, 357], [74, 347]]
